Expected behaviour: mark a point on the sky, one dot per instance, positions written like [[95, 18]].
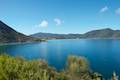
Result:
[[60, 16]]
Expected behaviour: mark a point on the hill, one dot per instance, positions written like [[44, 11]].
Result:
[[56, 36], [106, 33], [9, 35], [103, 33]]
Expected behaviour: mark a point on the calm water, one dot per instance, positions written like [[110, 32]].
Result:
[[103, 55]]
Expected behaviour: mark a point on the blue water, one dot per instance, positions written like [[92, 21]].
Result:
[[103, 55]]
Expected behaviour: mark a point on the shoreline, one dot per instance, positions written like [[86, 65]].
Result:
[[15, 43], [88, 39]]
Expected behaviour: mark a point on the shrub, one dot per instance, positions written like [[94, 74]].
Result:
[[21, 69]]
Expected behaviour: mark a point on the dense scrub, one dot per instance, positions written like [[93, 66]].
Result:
[[20, 69]]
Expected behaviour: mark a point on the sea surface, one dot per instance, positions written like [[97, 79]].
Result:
[[103, 55]]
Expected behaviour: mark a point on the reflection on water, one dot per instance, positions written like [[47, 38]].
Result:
[[43, 50]]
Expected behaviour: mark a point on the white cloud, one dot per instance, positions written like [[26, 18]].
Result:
[[58, 21], [118, 11], [44, 23], [104, 9]]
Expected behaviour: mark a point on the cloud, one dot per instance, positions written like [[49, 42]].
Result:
[[44, 23], [104, 9], [118, 11], [58, 21]]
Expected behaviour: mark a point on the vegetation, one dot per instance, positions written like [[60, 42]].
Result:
[[20, 69], [39, 40], [9, 35]]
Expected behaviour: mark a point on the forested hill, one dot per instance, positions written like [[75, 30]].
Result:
[[9, 35]]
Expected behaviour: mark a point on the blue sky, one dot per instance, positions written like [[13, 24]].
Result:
[[60, 16]]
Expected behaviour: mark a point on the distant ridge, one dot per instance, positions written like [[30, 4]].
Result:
[[103, 33], [9, 35], [106, 33], [56, 36]]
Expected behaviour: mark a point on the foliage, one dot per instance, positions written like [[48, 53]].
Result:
[[78, 68], [20, 69], [39, 40]]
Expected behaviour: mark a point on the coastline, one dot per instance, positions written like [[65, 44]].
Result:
[[15, 43], [89, 39]]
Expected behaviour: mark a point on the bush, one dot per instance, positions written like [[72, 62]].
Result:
[[21, 69]]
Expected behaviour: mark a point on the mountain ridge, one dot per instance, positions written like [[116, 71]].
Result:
[[9, 35], [106, 33]]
